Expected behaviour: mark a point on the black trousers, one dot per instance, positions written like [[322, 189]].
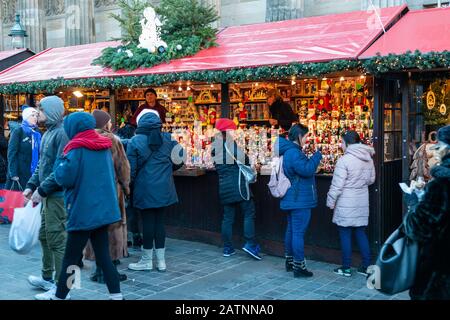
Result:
[[76, 241], [154, 233]]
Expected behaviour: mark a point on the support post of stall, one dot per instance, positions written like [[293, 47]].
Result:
[[225, 105], [2, 110], [112, 106]]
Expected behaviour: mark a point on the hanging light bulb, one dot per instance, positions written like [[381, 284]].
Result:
[[362, 76], [212, 86], [129, 90], [188, 88], [342, 79], [256, 84], [324, 79], [180, 88], [293, 82]]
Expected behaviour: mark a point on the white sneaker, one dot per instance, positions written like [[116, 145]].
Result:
[[145, 263], [40, 283], [49, 295]]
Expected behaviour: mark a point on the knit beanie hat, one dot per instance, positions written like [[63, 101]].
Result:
[[144, 112], [101, 118], [150, 90], [28, 112], [224, 124]]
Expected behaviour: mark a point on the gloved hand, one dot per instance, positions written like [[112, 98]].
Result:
[[36, 197]]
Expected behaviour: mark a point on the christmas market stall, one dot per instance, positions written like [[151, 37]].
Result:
[[313, 62], [411, 64], [8, 59]]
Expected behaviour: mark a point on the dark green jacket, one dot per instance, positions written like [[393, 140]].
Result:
[[52, 145], [228, 170]]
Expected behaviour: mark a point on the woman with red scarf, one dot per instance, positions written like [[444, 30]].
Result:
[[86, 172]]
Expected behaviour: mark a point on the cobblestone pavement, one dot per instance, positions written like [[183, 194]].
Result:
[[195, 271]]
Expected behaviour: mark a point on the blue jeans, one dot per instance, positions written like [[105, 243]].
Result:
[[229, 210], [297, 223], [346, 245]]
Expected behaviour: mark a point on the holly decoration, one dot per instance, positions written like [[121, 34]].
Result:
[[186, 28]]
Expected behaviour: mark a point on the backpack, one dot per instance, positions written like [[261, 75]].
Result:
[[279, 183]]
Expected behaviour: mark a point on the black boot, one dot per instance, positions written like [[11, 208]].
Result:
[[122, 276], [97, 276], [289, 263], [300, 270], [137, 241]]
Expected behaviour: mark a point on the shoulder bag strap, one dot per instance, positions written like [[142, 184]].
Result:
[[247, 187]]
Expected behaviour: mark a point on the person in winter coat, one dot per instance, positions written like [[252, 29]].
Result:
[[151, 103], [300, 198], [42, 187], [349, 198], [428, 224], [281, 112], [86, 172], [134, 218], [153, 187], [117, 232], [23, 150], [233, 194], [3, 158]]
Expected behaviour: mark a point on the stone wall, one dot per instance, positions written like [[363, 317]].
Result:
[[239, 12], [46, 20]]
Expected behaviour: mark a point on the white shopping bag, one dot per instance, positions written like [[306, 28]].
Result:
[[24, 232]]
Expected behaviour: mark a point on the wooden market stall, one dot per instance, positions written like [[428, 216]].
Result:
[[8, 59], [312, 61], [413, 100]]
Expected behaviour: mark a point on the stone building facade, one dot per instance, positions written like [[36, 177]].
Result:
[[56, 23]]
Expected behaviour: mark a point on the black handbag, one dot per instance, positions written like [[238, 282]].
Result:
[[397, 263]]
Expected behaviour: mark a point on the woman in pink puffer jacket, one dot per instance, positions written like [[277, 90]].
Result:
[[349, 197]]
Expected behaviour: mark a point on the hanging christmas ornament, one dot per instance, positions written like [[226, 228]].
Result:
[[179, 47], [161, 49], [443, 109], [431, 99]]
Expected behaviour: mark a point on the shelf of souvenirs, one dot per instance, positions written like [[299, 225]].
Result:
[[257, 141]]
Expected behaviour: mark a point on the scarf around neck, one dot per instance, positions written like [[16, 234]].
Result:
[[35, 143], [89, 139]]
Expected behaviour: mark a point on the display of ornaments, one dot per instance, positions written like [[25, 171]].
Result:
[[431, 99]]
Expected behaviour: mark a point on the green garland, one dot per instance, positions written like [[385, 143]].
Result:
[[394, 63], [375, 66], [186, 29], [118, 58]]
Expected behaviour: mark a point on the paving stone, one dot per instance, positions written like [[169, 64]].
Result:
[[195, 271]]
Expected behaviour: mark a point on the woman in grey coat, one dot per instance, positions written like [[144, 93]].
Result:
[[349, 197]]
